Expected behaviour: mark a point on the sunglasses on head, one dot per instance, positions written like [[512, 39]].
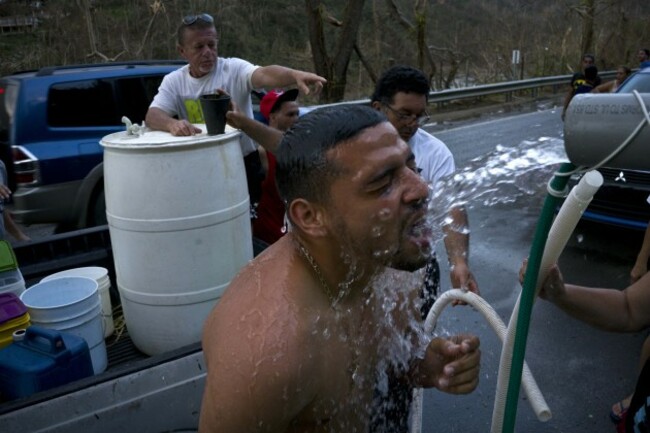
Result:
[[191, 19]]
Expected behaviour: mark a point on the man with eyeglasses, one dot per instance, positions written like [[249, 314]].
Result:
[[401, 94], [176, 107]]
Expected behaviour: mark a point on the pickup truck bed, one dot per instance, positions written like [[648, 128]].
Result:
[[136, 393]]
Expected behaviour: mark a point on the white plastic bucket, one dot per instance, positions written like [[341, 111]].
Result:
[[100, 275], [178, 215], [12, 281], [70, 304]]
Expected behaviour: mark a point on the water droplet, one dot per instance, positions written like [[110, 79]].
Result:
[[580, 238], [384, 214]]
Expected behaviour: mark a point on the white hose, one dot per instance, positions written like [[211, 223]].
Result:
[[564, 224], [531, 389], [566, 221]]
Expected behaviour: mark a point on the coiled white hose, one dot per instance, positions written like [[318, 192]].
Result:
[[564, 224], [535, 396]]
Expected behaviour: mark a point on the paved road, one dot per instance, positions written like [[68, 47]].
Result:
[[580, 371]]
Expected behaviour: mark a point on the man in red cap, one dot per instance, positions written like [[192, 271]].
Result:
[[280, 110]]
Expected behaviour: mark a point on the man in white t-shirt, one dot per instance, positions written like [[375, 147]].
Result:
[[176, 106], [401, 94]]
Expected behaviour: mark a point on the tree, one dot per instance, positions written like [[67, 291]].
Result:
[[333, 67], [418, 32], [586, 11]]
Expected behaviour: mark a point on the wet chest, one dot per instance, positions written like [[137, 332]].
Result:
[[348, 360]]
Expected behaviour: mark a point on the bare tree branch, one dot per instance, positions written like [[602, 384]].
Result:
[[401, 18], [337, 23], [85, 7], [156, 7]]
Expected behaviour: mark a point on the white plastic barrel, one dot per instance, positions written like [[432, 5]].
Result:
[[70, 304], [178, 215], [100, 275]]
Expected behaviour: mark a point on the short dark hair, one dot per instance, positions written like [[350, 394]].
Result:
[[303, 169], [646, 51], [196, 25], [400, 78]]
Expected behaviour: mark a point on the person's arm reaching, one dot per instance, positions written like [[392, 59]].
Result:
[[269, 138], [608, 309], [12, 228], [605, 87], [280, 76], [457, 246], [641, 265]]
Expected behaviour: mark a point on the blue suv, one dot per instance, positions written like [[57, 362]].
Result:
[[51, 122]]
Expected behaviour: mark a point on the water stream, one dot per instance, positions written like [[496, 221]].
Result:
[[506, 176]]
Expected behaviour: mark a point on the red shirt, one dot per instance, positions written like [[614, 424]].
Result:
[[270, 210]]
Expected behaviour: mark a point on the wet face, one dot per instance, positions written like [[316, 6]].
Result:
[[377, 205], [285, 117], [200, 50], [404, 112]]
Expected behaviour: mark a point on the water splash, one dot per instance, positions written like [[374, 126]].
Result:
[[501, 177]]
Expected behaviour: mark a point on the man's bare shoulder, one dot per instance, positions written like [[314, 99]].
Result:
[[266, 295], [264, 332]]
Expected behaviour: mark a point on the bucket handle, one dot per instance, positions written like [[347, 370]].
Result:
[[46, 340]]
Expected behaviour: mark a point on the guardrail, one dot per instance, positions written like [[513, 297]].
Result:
[[507, 88], [533, 84]]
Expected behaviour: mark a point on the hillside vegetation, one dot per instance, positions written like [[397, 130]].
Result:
[[456, 42]]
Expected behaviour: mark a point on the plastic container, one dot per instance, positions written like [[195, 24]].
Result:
[[597, 124], [178, 216], [214, 107], [13, 316], [7, 256], [43, 359], [12, 281], [72, 305], [100, 275]]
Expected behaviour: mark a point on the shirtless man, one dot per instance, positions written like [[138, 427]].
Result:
[[296, 344]]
